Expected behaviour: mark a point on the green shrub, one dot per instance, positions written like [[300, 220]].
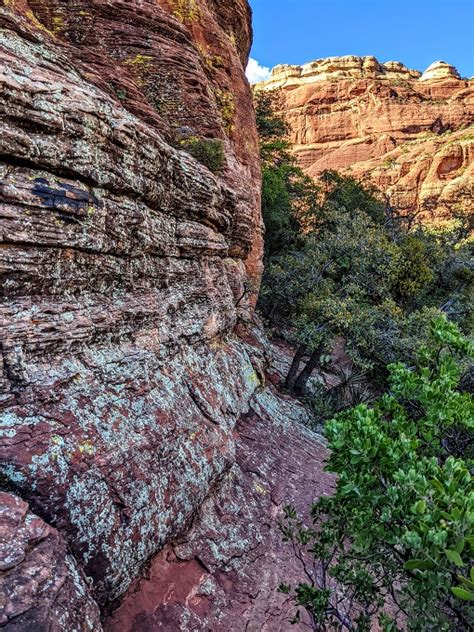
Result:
[[225, 101], [399, 529], [288, 195], [208, 151]]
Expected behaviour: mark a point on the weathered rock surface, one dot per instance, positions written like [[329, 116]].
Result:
[[120, 468], [440, 70], [136, 429], [223, 575], [332, 68], [124, 265], [41, 586], [411, 134]]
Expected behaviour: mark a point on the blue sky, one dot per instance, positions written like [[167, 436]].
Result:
[[415, 32]]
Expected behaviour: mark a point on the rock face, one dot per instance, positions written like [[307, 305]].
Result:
[[223, 574], [440, 70], [411, 134], [41, 586], [138, 435], [134, 420], [332, 68], [124, 265]]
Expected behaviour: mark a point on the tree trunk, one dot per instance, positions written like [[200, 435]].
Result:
[[272, 312], [294, 368], [303, 377]]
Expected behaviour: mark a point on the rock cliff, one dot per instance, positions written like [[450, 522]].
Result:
[[411, 134], [130, 407]]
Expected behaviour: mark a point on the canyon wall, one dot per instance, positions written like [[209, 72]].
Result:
[[125, 265], [145, 455], [411, 134]]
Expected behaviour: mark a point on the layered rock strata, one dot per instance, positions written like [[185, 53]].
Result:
[[409, 133], [124, 267]]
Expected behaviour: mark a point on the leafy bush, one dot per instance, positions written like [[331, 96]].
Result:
[[395, 543], [208, 151]]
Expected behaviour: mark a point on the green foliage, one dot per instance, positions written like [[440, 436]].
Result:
[[348, 387], [270, 125], [208, 151], [353, 274], [414, 272], [356, 279], [398, 532], [288, 195], [350, 195], [186, 11], [341, 263]]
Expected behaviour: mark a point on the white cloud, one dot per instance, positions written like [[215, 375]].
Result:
[[255, 72]]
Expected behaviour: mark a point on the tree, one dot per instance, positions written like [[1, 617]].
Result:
[[287, 193], [344, 192], [395, 543], [345, 281], [341, 263]]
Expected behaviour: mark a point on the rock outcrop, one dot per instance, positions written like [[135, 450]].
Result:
[[411, 134], [124, 266], [137, 429], [223, 574], [440, 70], [41, 586]]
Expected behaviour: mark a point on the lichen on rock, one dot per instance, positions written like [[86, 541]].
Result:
[[124, 268], [41, 585]]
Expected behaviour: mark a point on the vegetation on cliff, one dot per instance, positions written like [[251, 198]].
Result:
[[341, 263], [394, 544]]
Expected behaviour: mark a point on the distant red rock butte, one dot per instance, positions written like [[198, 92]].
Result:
[[410, 133]]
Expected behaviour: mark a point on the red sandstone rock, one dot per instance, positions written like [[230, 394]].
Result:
[[41, 586], [124, 265], [411, 134], [124, 391], [223, 575]]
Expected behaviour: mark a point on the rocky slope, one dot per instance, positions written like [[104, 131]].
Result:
[[224, 573], [125, 265], [411, 134]]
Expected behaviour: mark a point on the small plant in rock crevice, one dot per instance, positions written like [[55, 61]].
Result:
[[186, 11], [207, 151]]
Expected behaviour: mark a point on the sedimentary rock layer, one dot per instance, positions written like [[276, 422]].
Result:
[[124, 266], [411, 134]]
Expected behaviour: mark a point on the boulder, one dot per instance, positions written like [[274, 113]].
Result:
[[41, 586]]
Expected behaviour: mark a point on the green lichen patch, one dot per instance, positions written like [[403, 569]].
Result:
[[226, 104], [186, 11]]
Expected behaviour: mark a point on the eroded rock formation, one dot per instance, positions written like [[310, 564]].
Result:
[[411, 134], [41, 585], [124, 264], [131, 408]]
